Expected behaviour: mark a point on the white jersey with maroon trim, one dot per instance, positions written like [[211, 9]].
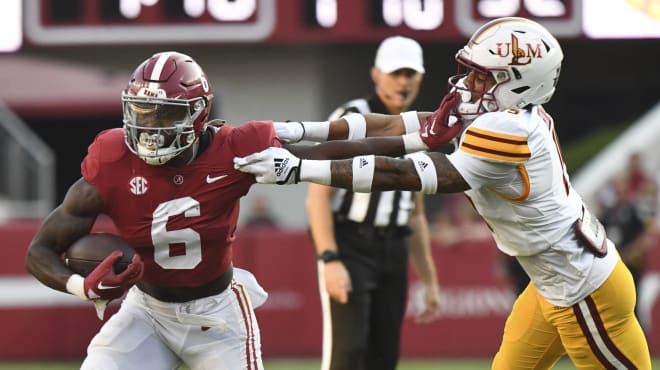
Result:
[[520, 186]]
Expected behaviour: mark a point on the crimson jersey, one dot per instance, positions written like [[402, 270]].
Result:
[[180, 220]]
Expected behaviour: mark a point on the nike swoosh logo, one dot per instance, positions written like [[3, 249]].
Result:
[[428, 129], [106, 287], [210, 179], [432, 129]]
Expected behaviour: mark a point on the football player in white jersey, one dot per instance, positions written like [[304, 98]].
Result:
[[581, 297]]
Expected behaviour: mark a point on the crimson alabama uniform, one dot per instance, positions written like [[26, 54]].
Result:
[[578, 303], [181, 221]]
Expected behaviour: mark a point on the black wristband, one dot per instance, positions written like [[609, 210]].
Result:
[[296, 178], [328, 256], [303, 134]]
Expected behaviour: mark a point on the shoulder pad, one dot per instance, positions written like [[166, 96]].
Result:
[[108, 146], [499, 136]]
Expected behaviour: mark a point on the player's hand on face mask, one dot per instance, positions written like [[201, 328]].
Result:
[[271, 166], [441, 126], [103, 283], [337, 281]]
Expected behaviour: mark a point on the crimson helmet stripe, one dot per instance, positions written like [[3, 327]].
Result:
[[483, 30]]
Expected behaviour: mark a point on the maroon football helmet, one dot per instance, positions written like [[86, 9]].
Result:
[[166, 106]]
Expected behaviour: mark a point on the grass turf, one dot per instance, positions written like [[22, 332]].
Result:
[[314, 364]]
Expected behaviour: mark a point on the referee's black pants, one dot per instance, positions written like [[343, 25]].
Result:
[[365, 332]]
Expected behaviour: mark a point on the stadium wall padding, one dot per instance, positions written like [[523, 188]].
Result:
[[39, 323]]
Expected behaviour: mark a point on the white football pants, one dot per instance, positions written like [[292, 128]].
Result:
[[218, 332]]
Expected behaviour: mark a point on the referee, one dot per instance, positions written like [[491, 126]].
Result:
[[363, 240]]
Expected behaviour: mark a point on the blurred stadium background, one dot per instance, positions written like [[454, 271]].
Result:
[[63, 64]]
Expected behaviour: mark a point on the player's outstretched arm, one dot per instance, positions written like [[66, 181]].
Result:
[[438, 129], [353, 126], [426, 172], [357, 126], [392, 146]]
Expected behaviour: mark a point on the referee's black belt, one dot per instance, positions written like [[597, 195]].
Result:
[[371, 231]]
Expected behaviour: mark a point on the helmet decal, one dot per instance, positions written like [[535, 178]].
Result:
[[205, 83], [519, 56], [149, 92]]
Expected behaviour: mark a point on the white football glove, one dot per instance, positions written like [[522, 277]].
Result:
[[271, 166], [289, 132]]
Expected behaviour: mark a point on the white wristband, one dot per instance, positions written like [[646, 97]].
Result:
[[411, 121], [412, 142], [363, 173], [315, 131], [357, 126], [315, 171], [426, 172], [76, 286], [289, 132]]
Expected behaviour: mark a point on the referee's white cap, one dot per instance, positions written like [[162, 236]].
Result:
[[398, 52]]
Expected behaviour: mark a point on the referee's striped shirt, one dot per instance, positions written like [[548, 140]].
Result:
[[378, 209]]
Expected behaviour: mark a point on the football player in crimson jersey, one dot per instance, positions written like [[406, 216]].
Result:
[[581, 298], [166, 179]]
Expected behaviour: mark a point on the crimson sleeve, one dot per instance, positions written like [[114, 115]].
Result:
[[253, 137]]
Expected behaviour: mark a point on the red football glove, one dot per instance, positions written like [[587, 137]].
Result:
[[436, 131], [103, 283]]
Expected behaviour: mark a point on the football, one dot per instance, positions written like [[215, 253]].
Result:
[[90, 250]]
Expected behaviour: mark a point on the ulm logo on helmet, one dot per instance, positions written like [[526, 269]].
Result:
[[519, 56], [152, 93]]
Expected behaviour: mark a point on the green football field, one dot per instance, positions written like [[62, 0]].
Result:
[[313, 364]]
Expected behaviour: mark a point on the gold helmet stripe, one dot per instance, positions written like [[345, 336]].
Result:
[[476, 37]]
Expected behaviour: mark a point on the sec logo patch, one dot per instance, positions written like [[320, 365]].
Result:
[[138, 185]]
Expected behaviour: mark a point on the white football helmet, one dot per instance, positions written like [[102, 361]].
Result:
[[521, 55]]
